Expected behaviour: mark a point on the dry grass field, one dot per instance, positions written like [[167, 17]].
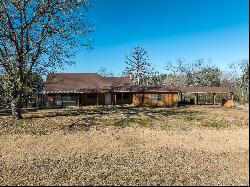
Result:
[[198, 145]]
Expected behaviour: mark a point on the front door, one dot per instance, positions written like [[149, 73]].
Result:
[[108, 99]]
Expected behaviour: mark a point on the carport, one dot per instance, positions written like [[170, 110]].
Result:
[[204, 90]]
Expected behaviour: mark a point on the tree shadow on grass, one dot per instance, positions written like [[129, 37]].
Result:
[[71, 112], [8, 112], [89, 118], [153, 112]]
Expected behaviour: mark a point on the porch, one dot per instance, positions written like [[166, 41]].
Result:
[[206, 95], [61, 100]]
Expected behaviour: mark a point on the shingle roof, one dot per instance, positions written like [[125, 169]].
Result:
[[205, 89], [82, 82], [150, 88], [92, 82]]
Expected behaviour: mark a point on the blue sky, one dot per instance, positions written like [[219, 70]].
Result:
[[167, 29]]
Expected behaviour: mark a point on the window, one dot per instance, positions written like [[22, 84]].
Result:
[[92, 96], [155, 97], [58, 100], [70, 100], [125, 96], [66, 98], [119, 96], [122, 96]]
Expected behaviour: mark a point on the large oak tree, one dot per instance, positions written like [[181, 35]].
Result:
[[39, 36]]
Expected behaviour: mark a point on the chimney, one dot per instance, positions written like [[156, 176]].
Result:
[[131, 76]]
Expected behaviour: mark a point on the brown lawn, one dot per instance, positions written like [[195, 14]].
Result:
[[199, 145]]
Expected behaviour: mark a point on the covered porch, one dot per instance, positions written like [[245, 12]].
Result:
[[216, 95], [108, 98], [65, 99]]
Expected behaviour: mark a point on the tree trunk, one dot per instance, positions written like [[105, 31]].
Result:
[[138, 80], [16, 106]]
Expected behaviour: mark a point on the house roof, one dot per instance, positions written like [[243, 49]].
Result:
[[205, 89], [150, 88], [82, 82], [92, 82]]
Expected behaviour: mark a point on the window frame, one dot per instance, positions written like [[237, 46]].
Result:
[[156, 97], [120, 96]]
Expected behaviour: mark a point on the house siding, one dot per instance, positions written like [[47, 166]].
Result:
[[167, 99], [134, 99]]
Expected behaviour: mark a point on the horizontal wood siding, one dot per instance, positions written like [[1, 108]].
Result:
[[167, 99]]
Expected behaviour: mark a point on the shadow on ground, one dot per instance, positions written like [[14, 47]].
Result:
[[103, 111]]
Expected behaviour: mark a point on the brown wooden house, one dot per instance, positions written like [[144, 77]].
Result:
[[80, 89]]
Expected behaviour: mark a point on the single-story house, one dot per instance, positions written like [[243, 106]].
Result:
[[81, 89]]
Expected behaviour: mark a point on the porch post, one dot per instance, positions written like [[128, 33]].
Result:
[[232, 96], [195, 99], [122, 98], [214, 96], [96, 98], [62, 99], [54, 100], [115, 98], [79, 99], [85, 99]]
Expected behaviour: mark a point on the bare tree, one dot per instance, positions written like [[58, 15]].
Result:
[[200, 72], [103, 71], [138, 65], [153, 77], [176, 72], [236, 77], [39, 36]]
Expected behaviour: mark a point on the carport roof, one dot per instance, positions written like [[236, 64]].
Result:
[[205, 90]]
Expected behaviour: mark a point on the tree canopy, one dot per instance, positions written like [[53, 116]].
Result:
[[138, 65], [39, 36]]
